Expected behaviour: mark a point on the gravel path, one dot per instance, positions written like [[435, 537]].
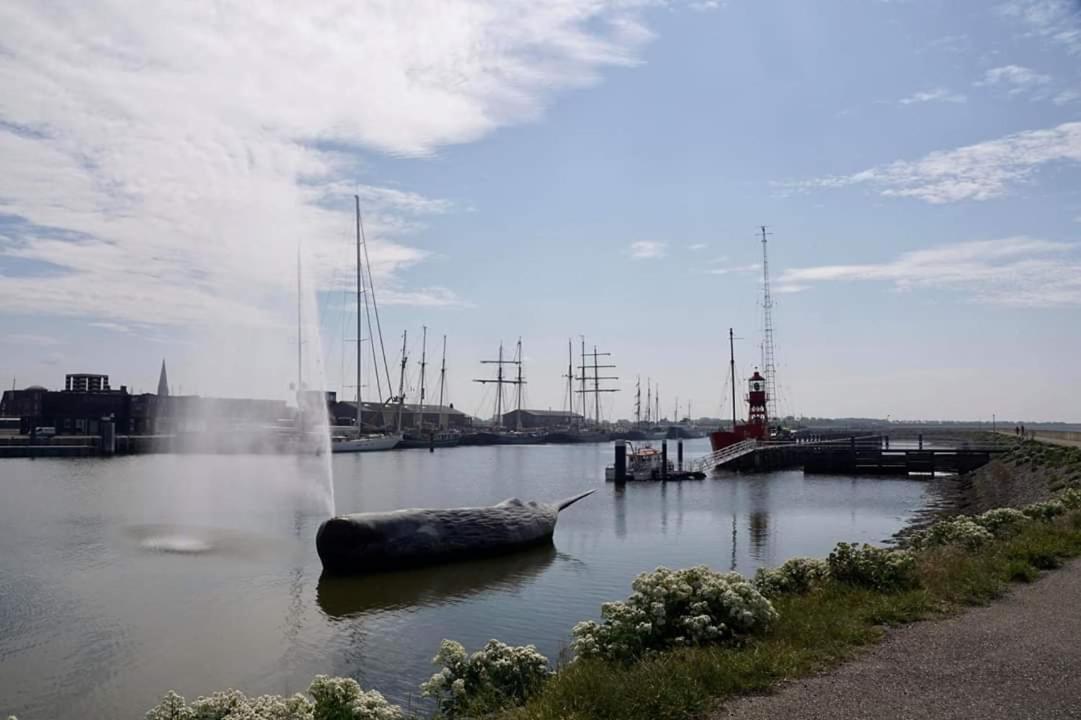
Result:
[[1019, 657]]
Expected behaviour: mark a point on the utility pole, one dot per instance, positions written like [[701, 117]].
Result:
[[769, 364], [442, 380]]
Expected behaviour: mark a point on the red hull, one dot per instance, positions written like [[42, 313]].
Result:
[[723, 438]]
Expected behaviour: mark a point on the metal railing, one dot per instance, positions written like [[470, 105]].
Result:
[[724, 455]]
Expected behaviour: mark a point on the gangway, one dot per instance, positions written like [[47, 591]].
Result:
[[724, 455]]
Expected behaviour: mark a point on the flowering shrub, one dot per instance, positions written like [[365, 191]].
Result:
[[1070, 498], [1001, 521], [672, 608], [871, 567], [962, 531], [495, 677], [794, 577], [334, 699], [1046, 511]]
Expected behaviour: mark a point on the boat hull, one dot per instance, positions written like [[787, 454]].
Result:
[[366, 444]]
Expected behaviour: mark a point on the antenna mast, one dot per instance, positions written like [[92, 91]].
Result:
[[769, 364]]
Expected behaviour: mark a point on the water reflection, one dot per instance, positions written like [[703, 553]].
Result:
[[345, 597]]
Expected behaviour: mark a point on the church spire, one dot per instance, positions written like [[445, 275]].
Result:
[[163, 381]]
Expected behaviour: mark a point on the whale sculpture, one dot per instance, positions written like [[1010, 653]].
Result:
[[371, 542]]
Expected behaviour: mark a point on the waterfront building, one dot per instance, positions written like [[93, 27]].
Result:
[[541, 419], [86, 382], [385, 415]]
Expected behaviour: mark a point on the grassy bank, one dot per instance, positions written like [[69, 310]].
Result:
[[820, 629], [814, 632]]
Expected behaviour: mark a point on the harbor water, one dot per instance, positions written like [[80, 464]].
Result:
[[123, 578]]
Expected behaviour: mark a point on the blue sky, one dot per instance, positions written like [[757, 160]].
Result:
[[581, 168]]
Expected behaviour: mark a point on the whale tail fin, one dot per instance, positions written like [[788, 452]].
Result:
[[573, 499]]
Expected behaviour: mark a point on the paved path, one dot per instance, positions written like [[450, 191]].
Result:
[[1019, 657]]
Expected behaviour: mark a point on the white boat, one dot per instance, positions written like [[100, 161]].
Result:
[[364, 443], [642, 464]]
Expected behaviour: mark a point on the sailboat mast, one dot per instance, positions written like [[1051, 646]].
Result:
[[570, 378], [582, 378], [732, 364], [442, 379], [300, 338], [638, 400], [649, 401], [499, 389], [518, 384], [423, 369], [401, 383], [360, 292], [596, 387]]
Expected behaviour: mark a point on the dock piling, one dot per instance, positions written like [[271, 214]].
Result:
[[621, 461], [679, 455], [664, 460]]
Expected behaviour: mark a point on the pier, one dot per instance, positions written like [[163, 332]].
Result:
[[856, 455]]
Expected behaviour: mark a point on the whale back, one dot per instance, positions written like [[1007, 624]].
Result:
[[367, 542]]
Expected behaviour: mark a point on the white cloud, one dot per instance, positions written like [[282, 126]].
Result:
[[1017, 271], [647, 249], [1015, 78], [1066, 97], [935, 95], [974, 172], [1058, 21], [111, 326], [165, 160], [697, 246], [29, 339], [705, 5], [726, 270]]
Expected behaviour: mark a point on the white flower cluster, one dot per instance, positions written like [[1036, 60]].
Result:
[[871, 567], [1046, 511], [795, 577], [1001, 521], [672, 608], [495, 677], [1071, 498], [962, 531], [337, 698]]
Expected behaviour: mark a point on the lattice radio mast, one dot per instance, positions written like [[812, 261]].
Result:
[[768, 361]]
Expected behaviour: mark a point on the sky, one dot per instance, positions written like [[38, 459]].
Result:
[[549, 171]]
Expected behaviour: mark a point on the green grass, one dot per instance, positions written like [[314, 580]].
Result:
[[815, 631]]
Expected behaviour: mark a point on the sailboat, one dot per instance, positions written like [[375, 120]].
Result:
[[424, 435], [355, 439]]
